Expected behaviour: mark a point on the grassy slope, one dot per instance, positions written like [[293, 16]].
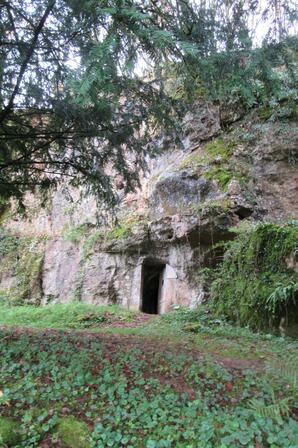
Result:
[[61, 316], [195, 329], [184, 380]]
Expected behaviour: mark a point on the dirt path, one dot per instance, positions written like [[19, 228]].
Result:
[[137, 321]]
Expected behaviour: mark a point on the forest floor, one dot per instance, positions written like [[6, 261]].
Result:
[[80, 376]]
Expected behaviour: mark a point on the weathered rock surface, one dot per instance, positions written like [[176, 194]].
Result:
[[187, 203], [176, 191], [201, 124]]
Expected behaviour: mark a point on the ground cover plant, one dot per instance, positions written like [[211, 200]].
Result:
[[87, 389]]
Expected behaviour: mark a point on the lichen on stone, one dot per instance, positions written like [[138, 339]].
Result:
[[22, 260]]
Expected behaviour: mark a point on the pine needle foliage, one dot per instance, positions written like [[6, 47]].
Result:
[[72, 105], [76, 102]]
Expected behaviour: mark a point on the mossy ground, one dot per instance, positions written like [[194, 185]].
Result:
[[9, 435], [73, 433]]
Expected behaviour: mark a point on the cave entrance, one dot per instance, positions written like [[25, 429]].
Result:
[[152, 279]]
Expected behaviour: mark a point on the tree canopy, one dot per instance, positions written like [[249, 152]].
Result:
[[84, 82]]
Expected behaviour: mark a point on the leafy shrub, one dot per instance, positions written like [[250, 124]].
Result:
[[281, 297]]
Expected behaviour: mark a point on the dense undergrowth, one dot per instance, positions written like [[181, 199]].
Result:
[[167, 387], [257, 283]]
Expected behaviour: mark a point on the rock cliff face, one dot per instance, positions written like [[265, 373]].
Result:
[[168, 231]]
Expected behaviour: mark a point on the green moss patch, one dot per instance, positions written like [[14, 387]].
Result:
[[92, 240], [222, 171], [9, 435], [212, 151], [255, 284], [123, 230], [192, 161], [219, 148], [221, 175], [73, 433], [214, 163], [75, 234], [213, 207]]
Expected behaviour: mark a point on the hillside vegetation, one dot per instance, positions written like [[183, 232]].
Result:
[[257, 283]]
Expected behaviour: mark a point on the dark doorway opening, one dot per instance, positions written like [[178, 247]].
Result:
[[151, 286]]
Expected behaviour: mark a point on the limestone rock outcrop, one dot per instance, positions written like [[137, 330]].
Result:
[[189, 201]]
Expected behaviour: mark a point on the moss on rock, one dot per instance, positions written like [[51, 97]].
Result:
[[214, 150], [73, 433], [213, 207], [253, 275], [122, 231], [9, 435], [215, 163], [219, 148], [75, 234], [221, 175], [192, 161]]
